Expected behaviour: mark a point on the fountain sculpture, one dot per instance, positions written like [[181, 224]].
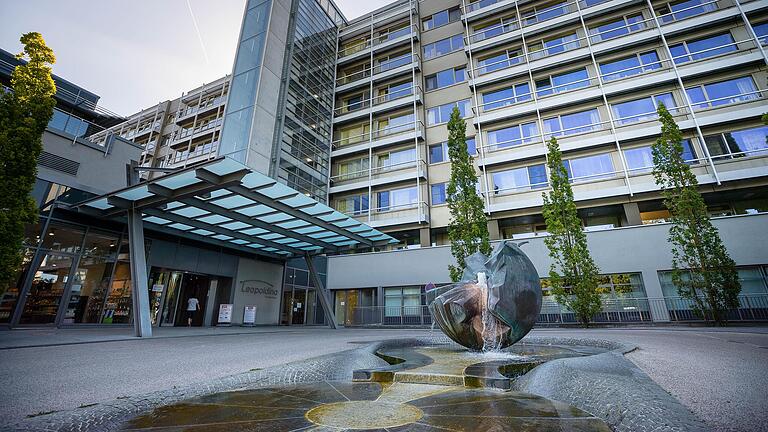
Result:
[[495, 304]]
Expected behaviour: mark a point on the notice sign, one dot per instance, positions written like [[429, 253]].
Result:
[[249, 315], [225, 314], [158, 287]]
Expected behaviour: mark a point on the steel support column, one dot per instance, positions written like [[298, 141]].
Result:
[[322, 294], [141, 322]]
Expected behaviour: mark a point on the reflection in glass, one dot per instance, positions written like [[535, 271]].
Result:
[[50, 279], [10, 297]]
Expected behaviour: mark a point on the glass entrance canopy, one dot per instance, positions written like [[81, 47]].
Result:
[[226, 203]]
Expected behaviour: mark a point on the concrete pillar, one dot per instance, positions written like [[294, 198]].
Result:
[[632, 212], [425, 239], [141, 320], [494, 233]]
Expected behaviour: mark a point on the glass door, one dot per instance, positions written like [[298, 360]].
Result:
[[299, 306], [170, 305], [42, 302]]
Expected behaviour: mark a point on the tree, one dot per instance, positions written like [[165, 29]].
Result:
[[24, 113], [576, 287], [702, 270], [468, 230]]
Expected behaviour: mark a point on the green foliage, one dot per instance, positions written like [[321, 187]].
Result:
[[24, 114], [468, 230], [702, 269], [576, 287]]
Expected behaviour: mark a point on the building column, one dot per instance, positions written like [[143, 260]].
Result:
[[140, 293], [322, 293], [425, 239], [632, 213], [493, 229]]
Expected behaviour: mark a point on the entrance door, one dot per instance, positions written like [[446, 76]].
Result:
[[43, 300], [193, 285], [171, 303], [299, 306]]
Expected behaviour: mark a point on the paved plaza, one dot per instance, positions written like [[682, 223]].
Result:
[[720, 374]]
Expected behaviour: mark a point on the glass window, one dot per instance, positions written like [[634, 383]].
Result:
[[442, 113], [393, 62], [438, 193], [537, 15], [47, 289], [702, 48], [10, 297], [553, 46], [641, 109], [684, 9], [513, 135], [508, 181], [640, 159], [443, 46], [471, 146], [745, 142], [761, 30], [397, 199], [569, 124], [90, 283], [629, 66], [723, 92], [499, 61], [589, 167], [353, 205], [438, 153], [445, 78], [442, 18], [617, 28], [63, 237], [397, 158], [562, 82]]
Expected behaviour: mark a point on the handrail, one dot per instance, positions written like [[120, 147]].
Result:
[[708, 102], [389, 130], [651, 115], [476, 5], [210, 103], [596, 37], [377, 40], [691, 54], [399, 207], [378, 100], [663, 18], [369, 71], [549, 91], [506, 27], [642, 66], [565, 5], [185, 133], [418, 163]]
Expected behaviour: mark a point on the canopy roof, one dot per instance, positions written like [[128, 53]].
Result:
[[226, 203]]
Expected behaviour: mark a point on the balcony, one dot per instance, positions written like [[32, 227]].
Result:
[[186, 134], [411, 213], [388, 136], [207, 107], [391, 173], [379, 104], [385, 70], [381, 42], [385, 17]]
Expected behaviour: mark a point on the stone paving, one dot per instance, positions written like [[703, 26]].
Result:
[[606, 385]]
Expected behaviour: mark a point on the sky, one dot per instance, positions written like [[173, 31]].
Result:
[[137, 53]]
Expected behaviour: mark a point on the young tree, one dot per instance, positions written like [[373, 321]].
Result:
[[576, 287], [702, 270], [468, 230], [24, 113]]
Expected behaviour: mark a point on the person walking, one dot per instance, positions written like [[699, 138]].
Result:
[[193, 305]]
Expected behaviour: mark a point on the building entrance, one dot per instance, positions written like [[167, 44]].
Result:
[[170, 291]]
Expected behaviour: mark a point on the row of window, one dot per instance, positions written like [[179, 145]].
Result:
[[389, 200]]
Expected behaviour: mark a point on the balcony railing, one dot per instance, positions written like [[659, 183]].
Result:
[[378, 100], [378, 40], [382, 169], [745, 97], [378, 134], [210, 103], [492, 31], [384, 66], [616, 32], [616, 310], [190, 132], [688, 12]]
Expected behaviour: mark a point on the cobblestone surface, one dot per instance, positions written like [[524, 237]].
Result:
[[606, 385]]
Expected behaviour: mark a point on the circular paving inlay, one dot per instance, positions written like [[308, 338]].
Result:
[[364, 415]]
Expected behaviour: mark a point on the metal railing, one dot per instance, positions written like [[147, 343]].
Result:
[[688, 12], [387, 168], [378, 100], [378, 40], [387, 65], [386, 132], [618, 310], [207, 104]]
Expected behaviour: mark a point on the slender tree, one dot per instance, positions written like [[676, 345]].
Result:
[[702, 270], [25, 110], [468, 230], [573, 274]]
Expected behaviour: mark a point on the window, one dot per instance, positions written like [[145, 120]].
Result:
[[394, 32], [562, 82], [394, 124], [641, 109], [532, 177], [640, 159], [351, 169], [537, 15], [396, 199], [397, 159], [442, 18], [629, 66], [444, 46], [623, 26], [702, 48], [402, 301], [395, 91], [684, 9], [354, 103], [499, 61], [761, 30], [745, 142], [493, 28], [439, 152], [442, 113], [353, 205], [508, 96], [438, 193], [553, 46], [723, 92], [475, 5], [446, 78], [569, 124], [621, 285], [394, 61], [589, 167], [514, 135]]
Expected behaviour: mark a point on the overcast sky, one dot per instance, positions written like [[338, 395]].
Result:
[[136, 53]]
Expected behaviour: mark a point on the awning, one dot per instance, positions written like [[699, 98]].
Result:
[[226, 203]]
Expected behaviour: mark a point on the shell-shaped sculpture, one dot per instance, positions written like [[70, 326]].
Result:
[[495, 313]]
